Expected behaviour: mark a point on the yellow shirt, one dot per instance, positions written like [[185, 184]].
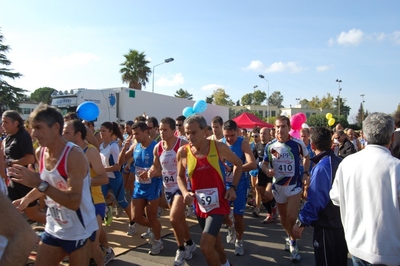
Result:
[[97, 194]]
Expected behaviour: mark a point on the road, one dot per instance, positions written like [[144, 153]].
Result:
[[264, 245]]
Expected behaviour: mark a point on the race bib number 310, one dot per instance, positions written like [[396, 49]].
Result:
[[207, 199]]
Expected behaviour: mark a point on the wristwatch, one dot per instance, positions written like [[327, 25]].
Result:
[[306, 173], [43, 186], [234, 187], [299, 223]]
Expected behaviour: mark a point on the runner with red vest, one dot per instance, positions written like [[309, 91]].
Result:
[[202, 159]]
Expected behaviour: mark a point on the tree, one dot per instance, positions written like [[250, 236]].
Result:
[[184, 94], [344, 109], [135, 71], [220, 97], [209, 99], [304, 102], [398, 108], [276, 99], [361, 115], [42, 95], [259, 97], [247, 99], [10, 96]]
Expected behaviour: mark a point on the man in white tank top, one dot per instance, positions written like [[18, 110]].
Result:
[[65, 180], [165, 165]]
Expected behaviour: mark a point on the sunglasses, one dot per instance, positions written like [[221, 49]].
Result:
[[256, 136], [178, 125]]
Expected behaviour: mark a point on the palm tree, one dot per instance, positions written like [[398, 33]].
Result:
[[135, 71]]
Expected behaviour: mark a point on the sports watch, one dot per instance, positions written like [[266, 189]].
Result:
[[43, 186]]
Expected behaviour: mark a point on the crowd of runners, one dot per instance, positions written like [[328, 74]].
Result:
[[61, 172]]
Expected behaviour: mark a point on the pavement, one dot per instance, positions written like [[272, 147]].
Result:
[[263, 243]]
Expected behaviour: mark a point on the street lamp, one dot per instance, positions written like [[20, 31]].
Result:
[[339, 81], [362, 108], [165, 61], [262, 76], [297, 99], [254, 87]]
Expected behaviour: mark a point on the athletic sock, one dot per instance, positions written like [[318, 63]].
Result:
[[267, 206], [189, 242], [181, 248], [273, 203], [131, 223], [293, 243], [226, 263]]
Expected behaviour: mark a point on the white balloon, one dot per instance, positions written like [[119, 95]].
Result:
[[284, 113], [304, 125]]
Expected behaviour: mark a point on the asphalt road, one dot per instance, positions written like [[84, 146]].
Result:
[[264, 245]]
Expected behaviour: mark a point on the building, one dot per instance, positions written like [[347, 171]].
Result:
[[27, 108], [262, 110], [305, 110]]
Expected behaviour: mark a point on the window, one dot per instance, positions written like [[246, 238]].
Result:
[[273, 113], [26, 111]]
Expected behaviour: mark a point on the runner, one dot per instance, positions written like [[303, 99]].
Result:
[[283, 155], [241, 147], [202, 159], [64, 178], [75, 132], [165, 164], [147, 191], [109, 151]]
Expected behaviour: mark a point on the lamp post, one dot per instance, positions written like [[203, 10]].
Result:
[[362, 108], [339, 81], [165, 61], [269, 114], [297, 99]]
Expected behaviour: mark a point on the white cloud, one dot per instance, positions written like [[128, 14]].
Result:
[[352, 37], [323, 68], [173, 81], [75, 59], [212, 87], [395, 37], [291, 67], [255, 65]]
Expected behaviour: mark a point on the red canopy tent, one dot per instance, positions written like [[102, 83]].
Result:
[[248, 120]]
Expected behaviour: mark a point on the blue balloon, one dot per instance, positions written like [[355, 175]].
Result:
[[199, 106], [88, 111], [188, 111]]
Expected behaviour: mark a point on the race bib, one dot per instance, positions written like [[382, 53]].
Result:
[[138, 171], [229, 177], [207, 199], [59, 214], [284, 168], [169, 179]]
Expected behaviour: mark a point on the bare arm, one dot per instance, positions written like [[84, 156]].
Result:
[[181, 167], [77, 170], [2, 163], [250, 160], [155, 169], [125, 153], [21, 238], [95, 162]]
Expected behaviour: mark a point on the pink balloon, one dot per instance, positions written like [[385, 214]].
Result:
[[303, 116], [294, 133], [296, 121]]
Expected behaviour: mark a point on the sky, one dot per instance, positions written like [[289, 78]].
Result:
[[301, 47]]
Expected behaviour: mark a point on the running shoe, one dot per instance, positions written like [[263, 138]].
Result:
[[146, 235], [268, 219], [256, 212], [109, 216], [179, 258], [287, 244], [109, 257], [274, 213], [189, 250], [156, 247], [132, 229], [239, 249], [231, 236], [119, 211], [152, 238], [294, 253]]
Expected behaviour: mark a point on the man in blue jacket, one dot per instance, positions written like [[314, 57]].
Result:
[[329, 242]]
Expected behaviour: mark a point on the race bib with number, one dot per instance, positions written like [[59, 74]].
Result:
[[59, 214], [169, 180], [284, 168], [138, 171], [207, 199]]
